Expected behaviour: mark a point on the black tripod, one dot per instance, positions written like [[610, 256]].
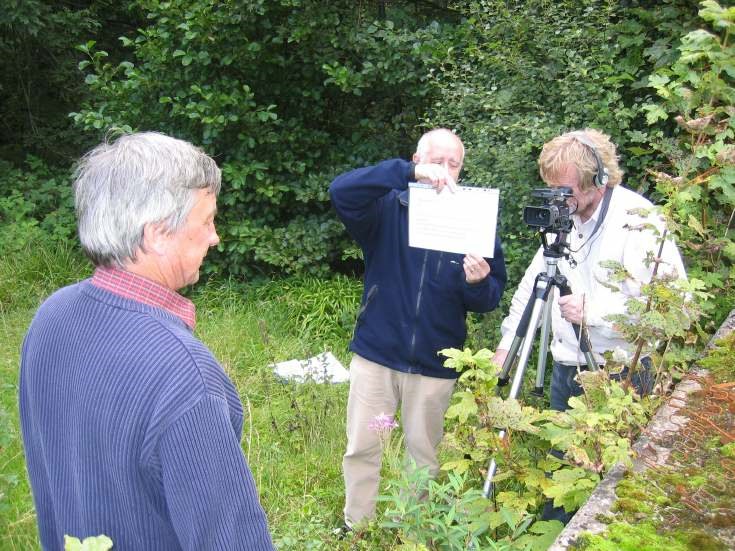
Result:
[[538, 308]]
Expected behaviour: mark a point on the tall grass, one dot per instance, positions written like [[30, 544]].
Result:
[[293, 434], [33, 267], [17, 516]]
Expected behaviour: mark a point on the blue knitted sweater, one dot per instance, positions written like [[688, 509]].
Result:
[[132, 429]]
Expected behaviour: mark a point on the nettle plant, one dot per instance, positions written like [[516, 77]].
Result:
[[548, 455], [593, 435], [697, 94]]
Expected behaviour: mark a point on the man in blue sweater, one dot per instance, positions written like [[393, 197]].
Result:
[[130, 426], [414, 303]]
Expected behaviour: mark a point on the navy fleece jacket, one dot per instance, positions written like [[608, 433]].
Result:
[[415, 301]]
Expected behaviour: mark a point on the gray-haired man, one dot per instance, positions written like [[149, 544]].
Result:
[[131, 428]]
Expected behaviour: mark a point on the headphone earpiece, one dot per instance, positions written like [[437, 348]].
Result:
[[601, 174]]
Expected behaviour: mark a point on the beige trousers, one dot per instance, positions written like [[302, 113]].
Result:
[[375, 389]]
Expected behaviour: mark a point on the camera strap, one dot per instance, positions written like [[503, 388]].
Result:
[[603, 212]]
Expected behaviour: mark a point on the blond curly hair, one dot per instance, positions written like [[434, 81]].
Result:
[[569, 148]]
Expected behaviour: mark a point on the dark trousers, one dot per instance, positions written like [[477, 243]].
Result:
[[563, 387]]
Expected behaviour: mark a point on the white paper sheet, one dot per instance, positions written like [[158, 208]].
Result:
[[463, 222], [324, 368]]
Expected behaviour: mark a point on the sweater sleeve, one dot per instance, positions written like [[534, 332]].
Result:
[[356, 195], [485, 295], [210, 492]]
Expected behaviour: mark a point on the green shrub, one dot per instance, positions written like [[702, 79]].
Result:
[[318, 309], [284, 95], [522, 72], [697, 176], [33, 265], [35, 195]]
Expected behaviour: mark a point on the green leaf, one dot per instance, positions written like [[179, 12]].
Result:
[[658, 80], [655, 113], [543, 534], [92, 543], [729, 250], [571, 487], [696, 225], [464, 408], [459, 466], [725, 182]]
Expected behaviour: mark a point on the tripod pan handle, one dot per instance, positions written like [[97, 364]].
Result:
[[584, 341]]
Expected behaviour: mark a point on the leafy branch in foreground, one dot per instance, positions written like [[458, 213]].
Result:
[[591, 437], [92, 543], [697, 93]]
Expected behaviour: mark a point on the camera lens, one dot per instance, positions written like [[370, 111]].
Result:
[[542, 217], [539, 217]]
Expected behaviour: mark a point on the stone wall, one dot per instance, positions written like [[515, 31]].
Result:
[[649, 453]]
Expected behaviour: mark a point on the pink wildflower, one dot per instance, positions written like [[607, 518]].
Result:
[[383, 423]]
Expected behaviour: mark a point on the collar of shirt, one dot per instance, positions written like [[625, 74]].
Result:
[[592, 220], [134, 287]]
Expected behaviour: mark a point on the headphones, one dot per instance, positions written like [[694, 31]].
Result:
[[601, 175]]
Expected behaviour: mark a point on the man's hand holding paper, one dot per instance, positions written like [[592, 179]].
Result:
[[436, 175], [476, 268]]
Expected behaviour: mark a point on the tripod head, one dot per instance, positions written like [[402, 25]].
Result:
[[559, 247]]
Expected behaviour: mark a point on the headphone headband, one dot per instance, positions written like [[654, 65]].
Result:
[[601, 175]]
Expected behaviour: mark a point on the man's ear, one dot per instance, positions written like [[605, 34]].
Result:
[[416, 159], [155, 238]]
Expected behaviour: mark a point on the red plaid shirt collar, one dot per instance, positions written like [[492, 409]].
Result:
[[135, 287]]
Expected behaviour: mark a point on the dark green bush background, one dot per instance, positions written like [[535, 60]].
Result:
[[285, 94]]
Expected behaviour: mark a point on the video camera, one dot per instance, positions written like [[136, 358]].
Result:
[[554, 214]]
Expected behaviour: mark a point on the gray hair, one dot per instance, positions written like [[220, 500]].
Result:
[[424, 144], [138, 179]]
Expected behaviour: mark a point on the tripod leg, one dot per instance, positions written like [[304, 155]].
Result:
[[543, 350], [521, 332], [488, 488], [504, 376], [536, 311]]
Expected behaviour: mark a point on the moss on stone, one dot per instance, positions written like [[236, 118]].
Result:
[[688, 504]]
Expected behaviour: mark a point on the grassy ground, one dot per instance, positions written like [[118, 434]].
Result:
[[17, 518], [293, 434]]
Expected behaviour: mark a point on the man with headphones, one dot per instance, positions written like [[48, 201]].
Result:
[[609, 225]]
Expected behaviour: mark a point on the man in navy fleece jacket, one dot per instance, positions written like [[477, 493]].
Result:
[[130, 426], [414, 304]]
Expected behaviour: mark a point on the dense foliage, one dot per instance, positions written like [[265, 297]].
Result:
[[283, 94], [526, 71], [39, 80], [697, 175], [287, 93]]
